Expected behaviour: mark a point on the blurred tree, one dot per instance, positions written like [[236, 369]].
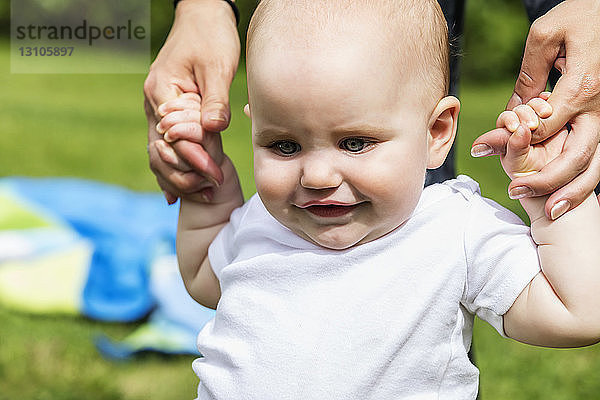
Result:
[[494, 37], [495, 31], [246, 9], [4, 19], [161, 19]]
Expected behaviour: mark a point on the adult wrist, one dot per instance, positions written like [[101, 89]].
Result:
[[234, 8]]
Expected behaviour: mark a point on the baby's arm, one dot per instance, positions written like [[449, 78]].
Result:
[[561, 306], [200, 217]]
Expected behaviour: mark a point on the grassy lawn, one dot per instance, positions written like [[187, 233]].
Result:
[[92, 126]]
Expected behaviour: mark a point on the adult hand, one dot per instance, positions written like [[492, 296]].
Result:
[[565, 38], [200, 55]]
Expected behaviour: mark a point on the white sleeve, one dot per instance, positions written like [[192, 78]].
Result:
[[501, 260]]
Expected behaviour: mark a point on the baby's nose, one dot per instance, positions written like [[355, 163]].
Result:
[[320, 173]]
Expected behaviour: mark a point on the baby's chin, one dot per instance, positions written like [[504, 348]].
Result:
[[339, 238]]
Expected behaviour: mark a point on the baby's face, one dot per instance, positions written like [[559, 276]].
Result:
[[340, 147]]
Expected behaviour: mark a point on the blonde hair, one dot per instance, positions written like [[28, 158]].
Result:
[[414, 30]]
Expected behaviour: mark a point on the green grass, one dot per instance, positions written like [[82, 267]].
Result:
[[92, 126]]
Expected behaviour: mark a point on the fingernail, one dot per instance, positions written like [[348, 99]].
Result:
[[520, 192], [161, 109], [520, 132], [546, 109], [217, 117], [559, 209], [513, 126], [213, 181], [169, 197], [516, 98], [481, 150], [159, 129], [166, 152], [533, 124], [168, 138]]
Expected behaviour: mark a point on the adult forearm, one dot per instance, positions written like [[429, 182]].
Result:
[[191, 6]]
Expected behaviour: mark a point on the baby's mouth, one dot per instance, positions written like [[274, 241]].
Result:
[[330, 210]]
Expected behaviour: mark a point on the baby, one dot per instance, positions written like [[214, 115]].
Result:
[[343, 278]]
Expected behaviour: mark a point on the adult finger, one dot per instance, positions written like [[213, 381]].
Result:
[[181, 183], [491, 143], [161, 169], [168, 155], [564, 109], [214, 87], [198, 158], [154, 160], [169, 197], [541, 49], [574, 193], [578, 151], [203, 194]]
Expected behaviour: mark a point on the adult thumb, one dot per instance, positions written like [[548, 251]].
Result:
[[563, 111], [216, 113], [543, 45]]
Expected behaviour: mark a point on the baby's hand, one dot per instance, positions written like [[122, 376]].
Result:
[[521, 157], [181, 120]]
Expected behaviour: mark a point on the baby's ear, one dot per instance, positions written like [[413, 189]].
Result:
[[442, 130], [247, 110]]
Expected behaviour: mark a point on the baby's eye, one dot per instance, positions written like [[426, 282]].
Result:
[[286, 147], [355, 144]]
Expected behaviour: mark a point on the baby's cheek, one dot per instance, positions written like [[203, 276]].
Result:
[[274, 182], [396, 198]]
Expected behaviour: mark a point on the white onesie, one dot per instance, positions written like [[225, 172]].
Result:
[[389, 319]]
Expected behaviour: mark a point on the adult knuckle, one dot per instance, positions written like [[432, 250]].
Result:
[[539, 135], [547, 186], [216, 101], [149, 85], [153, 162], [180, 182], [581, 158], [541, 31], [525, 80], [578, 191], [148, 109]]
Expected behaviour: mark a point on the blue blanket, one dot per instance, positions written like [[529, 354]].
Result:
[[131, 235]]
